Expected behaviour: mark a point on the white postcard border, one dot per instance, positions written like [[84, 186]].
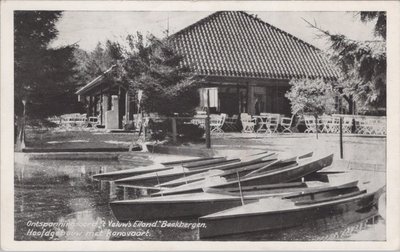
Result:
[[393, 141]]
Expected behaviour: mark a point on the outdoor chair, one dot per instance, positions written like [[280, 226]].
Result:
[[380, 126], [309, 120], [199, 119], [286, 123], [216, 123], [273, 123], [262, 122], [325, 122], [347, 124], [334, 124], [248, 123], [367, 126], [231, 122], [360, 124], [372, 125], [93, 121]]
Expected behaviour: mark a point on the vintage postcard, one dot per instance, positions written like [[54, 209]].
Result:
[[133, 125]]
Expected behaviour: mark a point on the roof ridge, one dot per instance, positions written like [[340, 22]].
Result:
[[279, 30], [201, 21]]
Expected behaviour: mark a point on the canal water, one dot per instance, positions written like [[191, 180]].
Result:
[[58, 200]]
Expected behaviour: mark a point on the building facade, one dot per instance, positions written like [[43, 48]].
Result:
[[248, 61]]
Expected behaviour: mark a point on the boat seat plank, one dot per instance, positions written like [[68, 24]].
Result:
[[348, 195]]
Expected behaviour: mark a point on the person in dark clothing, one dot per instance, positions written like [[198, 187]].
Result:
[[257, 107]]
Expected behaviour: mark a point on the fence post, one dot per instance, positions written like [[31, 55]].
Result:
[[207, 122], [174, 133], [341, 136]]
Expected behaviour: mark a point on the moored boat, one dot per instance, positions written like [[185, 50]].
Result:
[[193, 205], [188, 163], [291, 211], [114, 175], [157, 178], [272, 173], [249, 164]]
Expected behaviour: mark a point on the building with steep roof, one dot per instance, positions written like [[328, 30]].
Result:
[[248, 61]]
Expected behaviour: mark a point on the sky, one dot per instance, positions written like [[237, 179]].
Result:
[[87, 28]]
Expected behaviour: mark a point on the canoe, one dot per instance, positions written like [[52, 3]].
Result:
[[157, 178], [273, 173], [215, 172], [348, 203], [248, 165], [189, 163], [185, 161], [114, 175], [194, 205]]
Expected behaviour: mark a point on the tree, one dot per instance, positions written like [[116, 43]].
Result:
[[94, 63], [155, 67], [44, 78], [311, 96], [362, 64]]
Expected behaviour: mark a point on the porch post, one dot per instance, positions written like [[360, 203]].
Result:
[[127, 107], [250, 100], [105, 107], [119, 112], [87, 103], [101, 107], [90, 106], [247, 98], [238, 97], [95, 105]]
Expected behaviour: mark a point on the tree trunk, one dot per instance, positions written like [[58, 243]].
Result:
[[20, 143], [316, 125]]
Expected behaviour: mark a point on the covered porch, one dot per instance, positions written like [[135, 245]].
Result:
[[108, 104], [234, 96]]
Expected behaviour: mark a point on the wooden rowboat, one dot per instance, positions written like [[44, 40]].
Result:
[[246, 165], [156, 178], [272, 173], [114, 175], [347, 203], [189, 164], [194, 205]]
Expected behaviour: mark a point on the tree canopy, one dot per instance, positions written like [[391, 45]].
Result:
[[44, 77], [362, 64], [154, 66], [94, 63], [311, 96]]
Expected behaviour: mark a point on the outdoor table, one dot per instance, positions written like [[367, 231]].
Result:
[[201, 121], [263, 122]]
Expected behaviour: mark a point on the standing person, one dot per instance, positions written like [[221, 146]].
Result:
[[257, 107]]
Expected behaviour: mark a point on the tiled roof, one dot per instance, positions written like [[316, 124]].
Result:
[[95, 82], [236, 44]]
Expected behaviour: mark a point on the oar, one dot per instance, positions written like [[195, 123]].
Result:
[[263, 168], [240, 188], [158, 183], [184, 174], [255, 154]]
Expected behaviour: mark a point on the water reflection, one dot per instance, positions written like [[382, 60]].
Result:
[[75, 207]]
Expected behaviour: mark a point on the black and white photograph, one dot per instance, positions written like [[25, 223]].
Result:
[[251, 124]]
